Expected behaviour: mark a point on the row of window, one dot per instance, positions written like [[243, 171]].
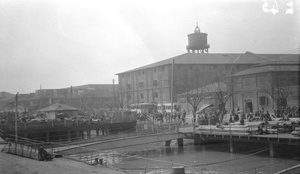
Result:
[[263, 100], [142, 72], [141, 84], [251, 82], [264, 80], [155, 95]]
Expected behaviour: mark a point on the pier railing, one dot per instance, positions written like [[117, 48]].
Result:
[[152, 128], [26, 148]]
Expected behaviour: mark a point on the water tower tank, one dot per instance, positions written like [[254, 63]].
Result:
[[197, 41]]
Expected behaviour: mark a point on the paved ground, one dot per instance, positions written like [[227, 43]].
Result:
[[11, 164]]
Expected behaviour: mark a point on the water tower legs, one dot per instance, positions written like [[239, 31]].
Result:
[[197, 51]]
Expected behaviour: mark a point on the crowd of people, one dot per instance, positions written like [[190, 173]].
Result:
[[176, 116], [97, 117], [213, 117], [207, 118], [264, 115]]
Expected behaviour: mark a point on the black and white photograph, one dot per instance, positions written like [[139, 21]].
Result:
[[150, 87]]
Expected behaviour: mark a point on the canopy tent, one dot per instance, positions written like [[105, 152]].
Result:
[[204, 106]]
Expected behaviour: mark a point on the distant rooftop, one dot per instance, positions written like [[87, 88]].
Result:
[[89, 86], [58, 107]]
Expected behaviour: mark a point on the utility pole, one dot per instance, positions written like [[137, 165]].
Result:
[[113, 92], [40, 104], [16, 119], [121, 95], [231, 82], [172, 84], [160, 91], [71, 91], [127, 95], [232, 95]]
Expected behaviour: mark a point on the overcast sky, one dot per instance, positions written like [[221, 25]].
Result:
[[59, 44]]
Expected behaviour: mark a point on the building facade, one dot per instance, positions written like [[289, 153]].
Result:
[[267, 87], [162, 81], [85, 97], [152, 83]]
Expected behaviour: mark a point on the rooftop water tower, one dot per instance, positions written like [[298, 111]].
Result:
[[197, 41]]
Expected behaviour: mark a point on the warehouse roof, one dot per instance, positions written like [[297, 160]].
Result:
[[219, 58], [269, 68]]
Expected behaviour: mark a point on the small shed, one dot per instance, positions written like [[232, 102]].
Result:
[[58, 110]]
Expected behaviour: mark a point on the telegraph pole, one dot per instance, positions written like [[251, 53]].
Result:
[[231, 81], [40, 103], [16, 119], [160, 91], [71, 91], [172, 84], [113, 92], [232, 96]]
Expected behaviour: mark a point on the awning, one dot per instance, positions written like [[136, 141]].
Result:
[[204, 106]]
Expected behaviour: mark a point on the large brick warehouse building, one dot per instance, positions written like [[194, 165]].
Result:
[[153, 82]]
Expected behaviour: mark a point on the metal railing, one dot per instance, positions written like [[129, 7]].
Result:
[[26, 148], [152, 128]]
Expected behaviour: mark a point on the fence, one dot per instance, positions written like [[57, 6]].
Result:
[[152, 128], [26, 148]]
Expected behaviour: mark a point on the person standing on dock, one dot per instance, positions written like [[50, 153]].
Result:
[[183, 116]]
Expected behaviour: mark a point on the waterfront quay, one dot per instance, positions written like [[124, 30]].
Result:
[[231, 137], [178, 135], [269, 144], [12, 164], [133, 133], [87, 150]]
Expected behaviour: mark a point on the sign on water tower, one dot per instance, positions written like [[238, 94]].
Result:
[[197, 41]]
